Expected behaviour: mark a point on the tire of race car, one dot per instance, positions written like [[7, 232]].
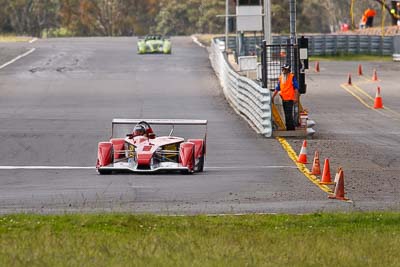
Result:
[[200, 167], [194, 162], [202, 159], [104, 172], [185, 172]]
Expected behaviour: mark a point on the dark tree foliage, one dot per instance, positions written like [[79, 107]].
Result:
[[170, 17]]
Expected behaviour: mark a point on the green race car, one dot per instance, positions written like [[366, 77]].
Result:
[[154, 44]]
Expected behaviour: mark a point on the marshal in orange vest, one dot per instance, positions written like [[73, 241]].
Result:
[[287, 88]]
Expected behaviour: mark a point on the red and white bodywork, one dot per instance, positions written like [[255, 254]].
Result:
[[148, 153]]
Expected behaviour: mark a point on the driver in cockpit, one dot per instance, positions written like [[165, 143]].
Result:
[[139, 130]]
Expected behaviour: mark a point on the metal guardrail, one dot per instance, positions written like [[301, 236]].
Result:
[[396, 46], [328, 44], [246, 97]]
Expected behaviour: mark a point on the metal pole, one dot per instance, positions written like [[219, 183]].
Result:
[[267, 21], [293, 56], [226, 24], [264, 64], [293, 41], [292, 10]]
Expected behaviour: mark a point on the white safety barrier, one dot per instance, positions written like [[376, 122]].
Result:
[[246, 97]]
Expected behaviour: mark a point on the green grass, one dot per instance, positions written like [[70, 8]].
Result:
[[13, 38], [206, 40], [360, 239], [351, 58]]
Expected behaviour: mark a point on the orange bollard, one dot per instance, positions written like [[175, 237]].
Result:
[[336, 180], [326, 174], [316, 169], [339, 188], [360, 72], [349, 80], [303, 153], [317, 66], [378, 99], [375, 76]]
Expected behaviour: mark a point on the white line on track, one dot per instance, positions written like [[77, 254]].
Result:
[[249, 167], [17, 58], [93, 167], [33, 40], [45, 168]]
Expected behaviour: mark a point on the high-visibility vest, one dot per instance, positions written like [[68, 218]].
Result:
[[369, 13], [287, 90]]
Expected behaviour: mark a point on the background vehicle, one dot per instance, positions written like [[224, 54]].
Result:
[[144, 152], [154, 44]]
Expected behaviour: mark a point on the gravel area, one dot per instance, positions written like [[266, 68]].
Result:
[[364, 142]]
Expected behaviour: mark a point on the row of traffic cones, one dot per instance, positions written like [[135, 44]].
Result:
[[360, 72], [326, 173], [378, 103], [374, 75]]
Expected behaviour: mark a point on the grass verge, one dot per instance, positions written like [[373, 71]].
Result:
[[205, 39], [351, 58], [14, 39], [357, 239]]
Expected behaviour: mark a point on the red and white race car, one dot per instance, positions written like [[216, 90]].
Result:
[[141, 150]]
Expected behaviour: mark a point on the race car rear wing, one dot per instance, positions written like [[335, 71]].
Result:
[[161, 121], [172, 122]]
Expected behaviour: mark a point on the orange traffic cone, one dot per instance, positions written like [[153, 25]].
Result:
[[349, 80], [336, 180], [317, 66], [303, 153], [316, 169], [378, 99], [375, 76], [360, 72], [326, 174], [339, 188]]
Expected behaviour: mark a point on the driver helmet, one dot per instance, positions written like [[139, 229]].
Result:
[[139, 130]]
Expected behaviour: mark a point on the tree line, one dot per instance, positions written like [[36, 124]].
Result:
[[139, 17], [110, 17]]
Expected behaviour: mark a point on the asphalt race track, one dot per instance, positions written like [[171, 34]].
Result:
[[57, 103]]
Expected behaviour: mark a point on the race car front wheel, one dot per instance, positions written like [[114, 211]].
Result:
[[104, 172], [200, 165]]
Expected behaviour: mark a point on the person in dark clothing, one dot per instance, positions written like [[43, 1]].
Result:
[[288, 90]]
